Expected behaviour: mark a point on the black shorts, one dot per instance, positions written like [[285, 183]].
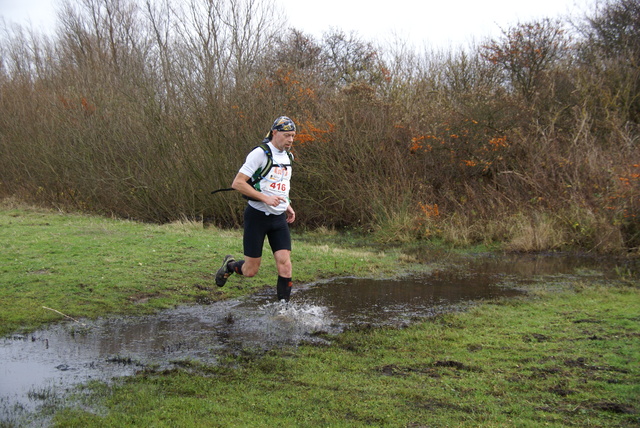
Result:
[[257, 225]]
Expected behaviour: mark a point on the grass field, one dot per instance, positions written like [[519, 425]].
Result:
[[566, 354], [88, 266]]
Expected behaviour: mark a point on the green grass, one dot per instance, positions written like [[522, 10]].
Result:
[[566, 354], [89, 266], [562, 358]]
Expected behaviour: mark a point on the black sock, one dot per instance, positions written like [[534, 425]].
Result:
[[284, 288], [235, 267]]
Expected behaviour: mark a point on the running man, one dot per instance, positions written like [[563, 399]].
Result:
[[268, 212]]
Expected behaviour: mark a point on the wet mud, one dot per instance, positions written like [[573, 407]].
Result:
[[49, 362]]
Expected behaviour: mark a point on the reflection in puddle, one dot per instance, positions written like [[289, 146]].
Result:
[[50, 361], [354, 300]]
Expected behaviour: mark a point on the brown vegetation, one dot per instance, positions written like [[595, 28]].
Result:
[[139, 110]]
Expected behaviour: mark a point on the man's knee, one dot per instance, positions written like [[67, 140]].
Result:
[[250, 267], [283, 263]]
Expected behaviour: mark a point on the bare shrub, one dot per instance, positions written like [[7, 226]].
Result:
[[526, 52], [141, 108]]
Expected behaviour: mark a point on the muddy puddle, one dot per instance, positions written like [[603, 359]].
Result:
[[42, 366]]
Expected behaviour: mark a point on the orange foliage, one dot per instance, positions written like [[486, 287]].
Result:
[[285, 79], [308, 132], [626, 199], [463, 144], [498, 142], [416, 144], [430, 211], [239, 112], [85, 106]]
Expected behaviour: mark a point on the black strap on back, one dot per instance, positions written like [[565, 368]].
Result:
[[259, 174], [223, 190]]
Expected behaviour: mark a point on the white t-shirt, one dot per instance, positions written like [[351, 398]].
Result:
[[276, 182]]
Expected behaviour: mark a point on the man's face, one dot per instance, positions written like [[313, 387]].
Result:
[[283, 140]]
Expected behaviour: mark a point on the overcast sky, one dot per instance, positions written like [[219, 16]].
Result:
[[434, 23]]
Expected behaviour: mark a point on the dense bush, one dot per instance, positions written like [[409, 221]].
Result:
[[139, 109]]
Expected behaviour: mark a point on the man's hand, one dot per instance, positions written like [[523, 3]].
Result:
[[273, 201], [291, 214]]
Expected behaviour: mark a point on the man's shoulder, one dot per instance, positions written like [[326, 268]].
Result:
[[263, 148]]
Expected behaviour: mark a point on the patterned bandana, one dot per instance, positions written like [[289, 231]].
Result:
[[283, 123]]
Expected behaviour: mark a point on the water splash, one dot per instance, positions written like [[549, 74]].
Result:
[[307, 317]]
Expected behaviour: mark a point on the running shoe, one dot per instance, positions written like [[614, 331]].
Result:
[[224, 273]]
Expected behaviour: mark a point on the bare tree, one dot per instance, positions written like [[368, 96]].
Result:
[[525, 52]]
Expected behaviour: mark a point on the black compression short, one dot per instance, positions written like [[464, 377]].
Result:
[[257, 225]]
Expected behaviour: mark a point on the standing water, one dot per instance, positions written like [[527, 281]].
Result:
[[45, 364]]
